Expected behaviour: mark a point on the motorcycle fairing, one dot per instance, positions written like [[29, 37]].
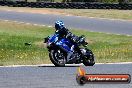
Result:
[[65, 44]]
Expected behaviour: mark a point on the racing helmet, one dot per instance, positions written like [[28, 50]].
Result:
[[59, 25]]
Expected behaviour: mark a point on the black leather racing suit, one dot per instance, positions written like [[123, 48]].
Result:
[[65, 33]]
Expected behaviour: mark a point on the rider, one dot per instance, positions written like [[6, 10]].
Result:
[[64, 33]]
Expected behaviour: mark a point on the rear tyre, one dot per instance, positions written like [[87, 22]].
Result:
[[58, 58], [89, 58]]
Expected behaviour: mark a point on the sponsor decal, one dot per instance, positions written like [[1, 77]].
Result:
[[83, 78]]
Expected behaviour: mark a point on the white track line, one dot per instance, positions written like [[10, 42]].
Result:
[[52, 26], [41, 65], [104, 18], [18, 22], [28, 23], [70, 65], [35, 24], [22, 22], [128, 35], [111, 33], [6, 20], [116, 63], [49, 26], [99, 18], [15, 21], [20, 11], [43, 25], [9, 10]]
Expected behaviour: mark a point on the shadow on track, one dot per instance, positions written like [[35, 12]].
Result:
[[69, 65]]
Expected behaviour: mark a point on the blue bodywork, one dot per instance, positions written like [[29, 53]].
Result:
[[64, 43]]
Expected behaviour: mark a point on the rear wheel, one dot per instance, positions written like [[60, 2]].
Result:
[[89, 58], [57, 58]]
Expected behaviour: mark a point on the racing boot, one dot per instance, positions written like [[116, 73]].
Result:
[[70, 53]]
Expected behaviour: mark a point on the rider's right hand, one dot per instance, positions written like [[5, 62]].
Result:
[[69, 34]]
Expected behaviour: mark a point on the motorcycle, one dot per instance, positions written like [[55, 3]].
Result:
[[58, 56]]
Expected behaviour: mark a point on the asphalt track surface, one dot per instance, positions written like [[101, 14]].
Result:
[[91, 24], [58, 77], [63, 77]]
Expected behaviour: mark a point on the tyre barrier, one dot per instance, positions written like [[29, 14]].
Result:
[[66, 5]]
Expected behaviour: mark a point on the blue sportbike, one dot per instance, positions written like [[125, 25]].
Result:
[[58, 56]]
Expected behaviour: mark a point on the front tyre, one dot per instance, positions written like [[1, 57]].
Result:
[[57, 58], [89, 58]]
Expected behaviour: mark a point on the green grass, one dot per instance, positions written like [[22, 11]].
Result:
[[106, 47], [12, 47]]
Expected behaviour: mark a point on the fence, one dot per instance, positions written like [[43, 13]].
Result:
[[66, 5]]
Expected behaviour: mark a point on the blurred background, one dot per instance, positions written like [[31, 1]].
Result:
[[102, 1]]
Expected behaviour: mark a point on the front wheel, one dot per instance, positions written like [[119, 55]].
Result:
[[57, 58], [89, 58]]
